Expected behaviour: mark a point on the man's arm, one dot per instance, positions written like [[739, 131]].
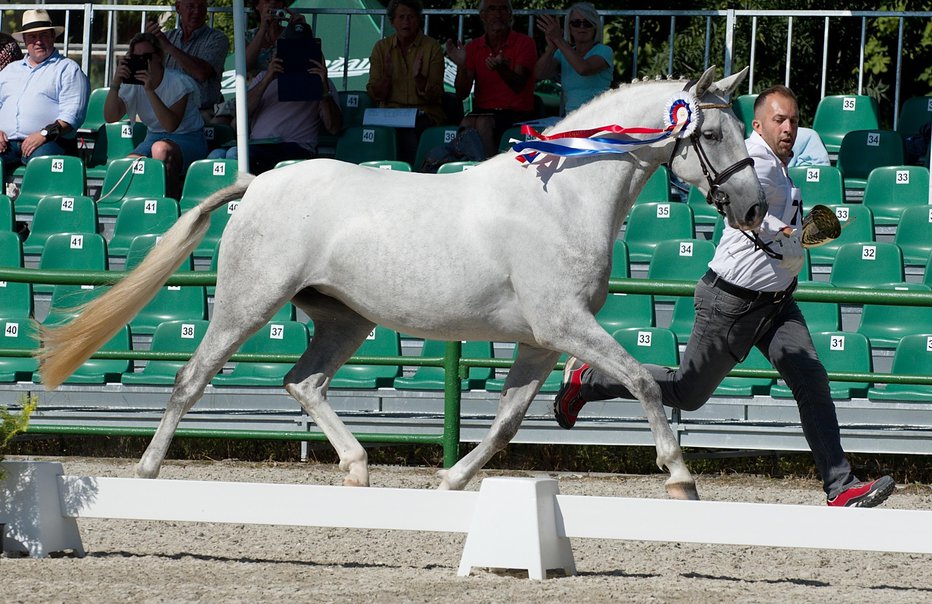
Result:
[[199, 68]]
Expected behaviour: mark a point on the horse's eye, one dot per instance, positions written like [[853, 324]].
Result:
[[711, 135]]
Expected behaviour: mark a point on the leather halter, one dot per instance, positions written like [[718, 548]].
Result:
[[716, 196]]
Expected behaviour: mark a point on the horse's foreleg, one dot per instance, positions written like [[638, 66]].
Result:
[[530, 369], [307, 382]]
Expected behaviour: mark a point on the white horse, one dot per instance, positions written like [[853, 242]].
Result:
[[502, 252]]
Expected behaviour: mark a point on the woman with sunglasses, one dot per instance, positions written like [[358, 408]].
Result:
[[166, 101], [575, 54]]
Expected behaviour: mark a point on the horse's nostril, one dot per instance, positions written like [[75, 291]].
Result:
[[752, 215]]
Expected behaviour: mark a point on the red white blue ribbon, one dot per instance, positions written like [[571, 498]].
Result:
[[680, 119]]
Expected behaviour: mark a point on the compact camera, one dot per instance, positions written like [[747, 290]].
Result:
[[281, 14]]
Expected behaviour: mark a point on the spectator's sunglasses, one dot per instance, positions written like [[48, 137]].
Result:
[[581, 23]]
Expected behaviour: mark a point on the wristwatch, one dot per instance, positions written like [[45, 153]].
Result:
[[44, 132]]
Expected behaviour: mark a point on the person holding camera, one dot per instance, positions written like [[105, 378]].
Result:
[[274, 17], [43, 97], [406, 70], [166, 101], [196, 49]]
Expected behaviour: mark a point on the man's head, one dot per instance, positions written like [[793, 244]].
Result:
[[192, 13], [776, 119], [38, 34], [495, 16]]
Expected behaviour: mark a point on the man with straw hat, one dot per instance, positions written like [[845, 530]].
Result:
[[43, 97]]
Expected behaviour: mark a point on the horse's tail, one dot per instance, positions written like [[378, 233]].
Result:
[[65, 348]]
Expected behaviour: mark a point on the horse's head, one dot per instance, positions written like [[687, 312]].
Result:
[[714, 157]]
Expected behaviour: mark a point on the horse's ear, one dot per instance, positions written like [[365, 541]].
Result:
[[728, 86], [702, 86]]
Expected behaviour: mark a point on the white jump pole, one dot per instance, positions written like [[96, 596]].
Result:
[[514, 523]]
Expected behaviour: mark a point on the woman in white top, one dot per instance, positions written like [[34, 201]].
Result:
[[583, 63], [166, 101]]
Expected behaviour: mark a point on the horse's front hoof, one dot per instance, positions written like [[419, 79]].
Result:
[[355, 481], [682, 491]]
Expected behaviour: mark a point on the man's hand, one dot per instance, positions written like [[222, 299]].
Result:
[[32, 142], [4, 142], [792, 250], [320, 70], [155, 29], [456, 50], [496, 62]]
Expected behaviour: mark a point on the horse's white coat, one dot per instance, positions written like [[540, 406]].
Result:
[[501, 252]]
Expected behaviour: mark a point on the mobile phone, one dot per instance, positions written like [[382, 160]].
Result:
[[295, 83], [136, 63]]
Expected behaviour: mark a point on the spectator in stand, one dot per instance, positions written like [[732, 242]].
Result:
[[196, 49], [808, 150], [9, 50], [261, 40], [406, 70], [43, 97], [578, 58], [501, 65], [166, 101], [283, 130]]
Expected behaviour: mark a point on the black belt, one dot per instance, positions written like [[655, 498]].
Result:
[[712, 279]]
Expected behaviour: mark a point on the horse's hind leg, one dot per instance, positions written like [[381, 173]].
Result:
[[338, 333], [531, 367]]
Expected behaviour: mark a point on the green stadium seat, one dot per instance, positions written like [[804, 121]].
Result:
[[11, 249], [103, 371], [130, 177], [277, 337], [353, 104], [171, 336], [913, 356], [914, 235], [891, 189], [837, 115], [18, 334], [885, 325], [218, 222], [857, 226], [927, 278], [15, 298], [839, 351], [551, 384], [864, 150], [113, 141], [218, 135], [818, 184], [367, 143], [288, 162], [67, 300], [94, 116], [867, 265], [745, 386], [620, 268], [60, 214], [743, 106], [49, 175], [452, 167], [704, 213], [654, 345], [139, 247], [433, 136], [206, 176], [388, 164], [626, 310], [683, 318], [718, 230], [650, 223], [657, 187], [821, 316], [504, 143], [7, 215], [684, 260], [72, 252], [915, 113], [432, 378], [382, 342], [141, 216]]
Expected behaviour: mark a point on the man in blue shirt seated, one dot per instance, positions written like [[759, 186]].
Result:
[[808, 150], [43, 97]]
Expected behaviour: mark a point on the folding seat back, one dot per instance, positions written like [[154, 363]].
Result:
[[432, 378], [704, 213], [840, 352], [650, 223], [94, 116], [15, 298], [206, 176], [141, 216], [885, 325], [626, 310], [74, 252], [684, 260], [913, 356], [130, 177], [139, 248], [889, 190], [747, 386], [452, 167], [171, 336], [818, 184], [67, 300], [115, 140], [381, 342], [657, 187], [744, 111], [49, 175], [654, 345], [914, 235], [218, 135], [837, 115], [358, 144], [277, 337], [620, 268], [7, 215], [867, 265], [915, 113], [857, 226], [864, 150], [60, 214], [388, 164], [353, 104], [18, 334], [103, 371], [433, 136]]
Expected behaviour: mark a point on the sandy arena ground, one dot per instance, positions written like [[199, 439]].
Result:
[[135, 561]]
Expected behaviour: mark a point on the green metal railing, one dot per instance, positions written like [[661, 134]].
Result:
[[455, 366]]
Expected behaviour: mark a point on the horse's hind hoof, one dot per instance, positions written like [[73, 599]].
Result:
[[682, 491]]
